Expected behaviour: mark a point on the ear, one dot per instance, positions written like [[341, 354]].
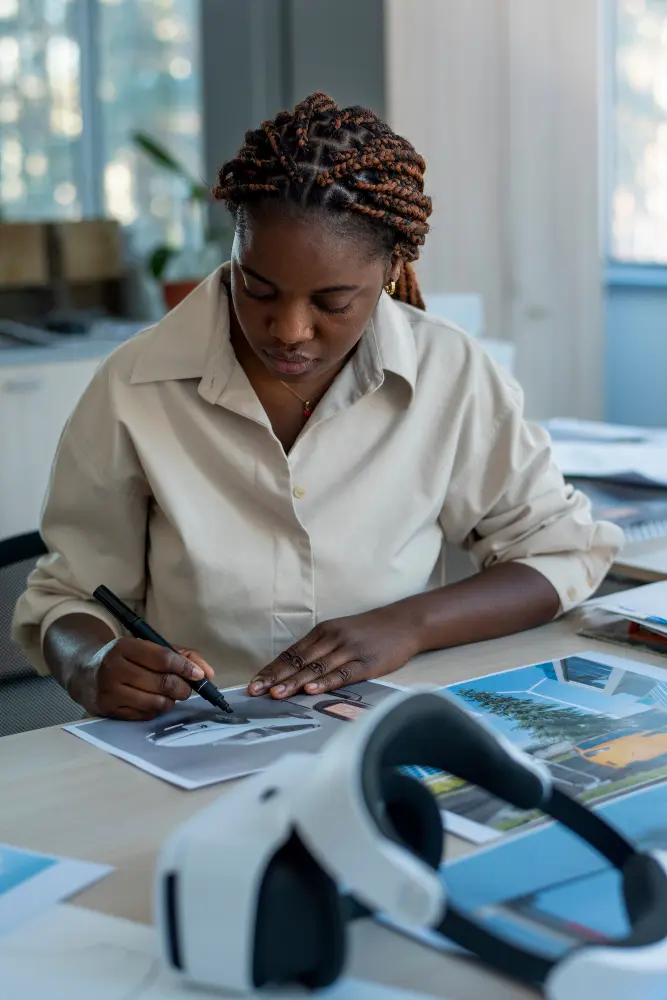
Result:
[[395, 270]]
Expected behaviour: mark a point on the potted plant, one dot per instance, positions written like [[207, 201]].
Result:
[[180, 268]]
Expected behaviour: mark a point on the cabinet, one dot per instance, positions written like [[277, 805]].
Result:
[[35, 402]]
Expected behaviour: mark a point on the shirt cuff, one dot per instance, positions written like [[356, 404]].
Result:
[[573, 577]]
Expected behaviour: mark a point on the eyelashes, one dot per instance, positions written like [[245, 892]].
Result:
[[319, 305]]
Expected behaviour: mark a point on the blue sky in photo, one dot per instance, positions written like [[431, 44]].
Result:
[[520, 680], [18, 866]]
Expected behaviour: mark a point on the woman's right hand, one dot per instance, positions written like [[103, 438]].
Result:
[[136, 680]]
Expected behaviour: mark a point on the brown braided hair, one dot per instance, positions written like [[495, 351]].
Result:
[[345, 159]]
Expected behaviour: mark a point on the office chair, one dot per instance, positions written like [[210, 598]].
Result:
[[27, 700]]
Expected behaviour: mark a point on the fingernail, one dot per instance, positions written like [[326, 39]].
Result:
[[280, 689], [312, 688], [257, 686], [198, 674]]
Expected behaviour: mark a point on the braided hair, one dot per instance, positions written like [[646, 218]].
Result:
[[342, 159]]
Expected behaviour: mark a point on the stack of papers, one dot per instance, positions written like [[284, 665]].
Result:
[[647, 606], [617, 453]]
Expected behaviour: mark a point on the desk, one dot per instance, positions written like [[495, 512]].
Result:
[[63, 796]]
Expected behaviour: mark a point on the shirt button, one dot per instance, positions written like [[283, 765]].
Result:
[[299, 492]]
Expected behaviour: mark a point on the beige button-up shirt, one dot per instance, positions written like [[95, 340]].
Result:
[[170, 487]]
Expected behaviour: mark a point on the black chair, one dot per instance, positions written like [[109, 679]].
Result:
[[27, 700]]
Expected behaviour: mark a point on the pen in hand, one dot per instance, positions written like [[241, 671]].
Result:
[[140, 629]]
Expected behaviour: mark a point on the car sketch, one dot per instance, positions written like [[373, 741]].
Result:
[[213, 731]]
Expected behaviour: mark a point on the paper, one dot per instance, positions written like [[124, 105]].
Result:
[[75, 954], [594, 431], [647, 558], [598, 722], [191, 747], [645, 605], [628, 463], [31, 882]]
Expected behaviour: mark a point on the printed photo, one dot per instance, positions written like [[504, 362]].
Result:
[[599, 723], [30, 882], [196, 745]]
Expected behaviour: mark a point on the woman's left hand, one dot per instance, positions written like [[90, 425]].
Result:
[[340, 652]]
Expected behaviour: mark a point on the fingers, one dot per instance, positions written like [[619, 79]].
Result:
[[159, 659], [198, 660], [313, 648], [139, 680], [329, 672], [348, 673], [138, 706]]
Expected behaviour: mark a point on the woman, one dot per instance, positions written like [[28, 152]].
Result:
[[271, 472]]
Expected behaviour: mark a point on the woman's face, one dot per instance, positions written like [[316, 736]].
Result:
[[302, 292]]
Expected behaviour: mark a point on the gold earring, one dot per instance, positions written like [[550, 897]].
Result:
[[390, 288]]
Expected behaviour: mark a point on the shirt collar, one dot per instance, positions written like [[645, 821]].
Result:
[[192, 341]]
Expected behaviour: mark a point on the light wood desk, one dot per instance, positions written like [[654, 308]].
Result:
[[63, 796]]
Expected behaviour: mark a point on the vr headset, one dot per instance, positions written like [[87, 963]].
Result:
[[258, 888]]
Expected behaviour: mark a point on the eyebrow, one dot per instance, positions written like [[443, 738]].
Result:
[[318, 291]]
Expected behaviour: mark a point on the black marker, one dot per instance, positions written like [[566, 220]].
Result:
[[141, 630]]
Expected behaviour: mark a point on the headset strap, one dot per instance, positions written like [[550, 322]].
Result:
[[591, 828], [514, 961], [517, 961]]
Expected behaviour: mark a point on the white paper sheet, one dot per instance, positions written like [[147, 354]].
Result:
[[31, 882], [75, 954], [571, 429], [191, 747], [645, 605], [631, 463]]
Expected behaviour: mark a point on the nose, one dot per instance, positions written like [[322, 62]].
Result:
[[290, 323]]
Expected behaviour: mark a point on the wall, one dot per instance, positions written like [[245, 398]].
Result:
[[501, 97], [263, 55], [636, 355]]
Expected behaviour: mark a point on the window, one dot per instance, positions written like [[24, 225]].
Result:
[[639, 142], [77, 78]]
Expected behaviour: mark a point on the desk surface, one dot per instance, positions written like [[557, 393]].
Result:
[[63, 796]]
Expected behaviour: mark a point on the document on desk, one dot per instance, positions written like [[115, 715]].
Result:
[[74, 954], [31, 882], [598, 432], [647, 606], [194, 745], [640, 463], [597, 722]]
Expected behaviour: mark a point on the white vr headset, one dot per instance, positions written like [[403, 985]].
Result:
[[248, 891]]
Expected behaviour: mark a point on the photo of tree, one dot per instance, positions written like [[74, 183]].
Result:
[[598, 723]]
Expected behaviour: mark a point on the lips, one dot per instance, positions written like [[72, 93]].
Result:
[[289, 364]]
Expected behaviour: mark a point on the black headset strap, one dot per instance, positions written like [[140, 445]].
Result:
[[514, 961], [520, 962], [590, 827]]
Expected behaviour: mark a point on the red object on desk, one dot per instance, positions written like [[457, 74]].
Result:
[[644, 633]]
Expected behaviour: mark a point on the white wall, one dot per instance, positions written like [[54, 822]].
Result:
[[501, 98]]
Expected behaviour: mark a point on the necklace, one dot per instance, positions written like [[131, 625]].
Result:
[[307, 409]]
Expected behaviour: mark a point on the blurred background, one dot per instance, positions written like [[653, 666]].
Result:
[[544, 126]]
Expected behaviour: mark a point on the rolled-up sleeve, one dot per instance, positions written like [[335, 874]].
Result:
[[508, 501], [93, 523]]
